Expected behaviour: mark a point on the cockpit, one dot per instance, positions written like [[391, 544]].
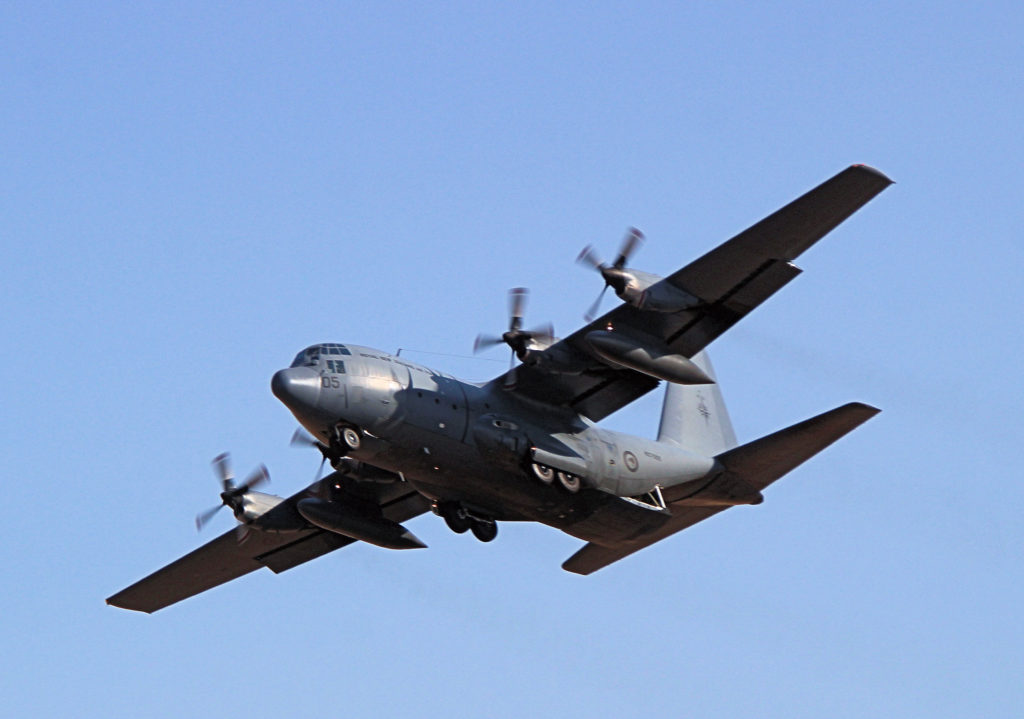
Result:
[[311, 356]]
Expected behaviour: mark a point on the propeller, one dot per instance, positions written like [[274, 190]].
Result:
[[232, 495], [302, 438], [516, 337], [615, 275]]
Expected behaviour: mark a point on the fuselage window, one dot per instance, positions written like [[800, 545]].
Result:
[[336, 366]]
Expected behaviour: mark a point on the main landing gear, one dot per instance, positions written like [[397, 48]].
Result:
[[459, 520], [569, 482]]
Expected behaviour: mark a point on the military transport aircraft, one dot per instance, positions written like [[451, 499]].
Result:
[[404, 439]]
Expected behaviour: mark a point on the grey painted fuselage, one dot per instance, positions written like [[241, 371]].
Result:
[[475, 445]]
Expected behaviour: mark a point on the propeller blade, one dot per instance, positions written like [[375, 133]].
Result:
[[590, 258], [484, 341], [511, 377], [203, 517], [302, 438], [629, 244], [222, 467], [515, 337], [259, 476], [242, 533], [596, 307], [516, 305]]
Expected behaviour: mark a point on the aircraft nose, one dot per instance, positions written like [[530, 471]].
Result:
[[297, 387]]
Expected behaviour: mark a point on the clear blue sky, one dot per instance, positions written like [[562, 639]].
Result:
[[192, 193]]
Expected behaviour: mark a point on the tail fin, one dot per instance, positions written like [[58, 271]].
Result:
[[694, 416]]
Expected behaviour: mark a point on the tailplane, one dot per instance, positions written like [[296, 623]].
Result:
[[694, 416], [761, 462], [746, 470]]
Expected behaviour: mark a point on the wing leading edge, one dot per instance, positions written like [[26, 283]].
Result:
[[225, 558], [730, 281]]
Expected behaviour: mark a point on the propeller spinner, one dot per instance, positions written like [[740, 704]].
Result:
[[615, 275], [232, 496], [516, 337]]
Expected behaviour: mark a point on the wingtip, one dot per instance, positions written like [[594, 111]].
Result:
[[113, 602], [867, 409], [855, 413], [877, 173]]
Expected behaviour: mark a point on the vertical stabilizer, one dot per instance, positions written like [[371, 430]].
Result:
[[694, 416]]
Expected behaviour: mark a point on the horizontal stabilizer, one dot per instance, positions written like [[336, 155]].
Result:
[[761, 462], [756, 464]]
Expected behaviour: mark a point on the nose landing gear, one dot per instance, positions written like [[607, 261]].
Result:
[[344, 439]]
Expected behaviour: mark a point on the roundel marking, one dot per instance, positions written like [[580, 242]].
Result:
[[630, 460]]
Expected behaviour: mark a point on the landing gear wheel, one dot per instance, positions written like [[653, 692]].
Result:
[[351, 439], [457, 519], [485, 531], [570, 481], [544, 474]]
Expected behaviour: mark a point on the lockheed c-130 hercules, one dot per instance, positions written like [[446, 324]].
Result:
[[404, 439]]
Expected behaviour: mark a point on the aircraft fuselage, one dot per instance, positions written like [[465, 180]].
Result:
[[482, 447]]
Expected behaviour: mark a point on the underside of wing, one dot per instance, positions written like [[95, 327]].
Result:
[[728, 282], [226, 558]]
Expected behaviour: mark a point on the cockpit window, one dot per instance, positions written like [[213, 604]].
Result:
[[307, 357], [310, 356]]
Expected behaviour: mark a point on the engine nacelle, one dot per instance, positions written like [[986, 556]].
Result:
[[663, 296], [268, 513]]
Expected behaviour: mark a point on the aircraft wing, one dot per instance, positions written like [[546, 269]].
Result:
[[729, 281], [225, 558], [754, 465]]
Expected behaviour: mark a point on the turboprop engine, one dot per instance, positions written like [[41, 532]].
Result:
[[643, 290]]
